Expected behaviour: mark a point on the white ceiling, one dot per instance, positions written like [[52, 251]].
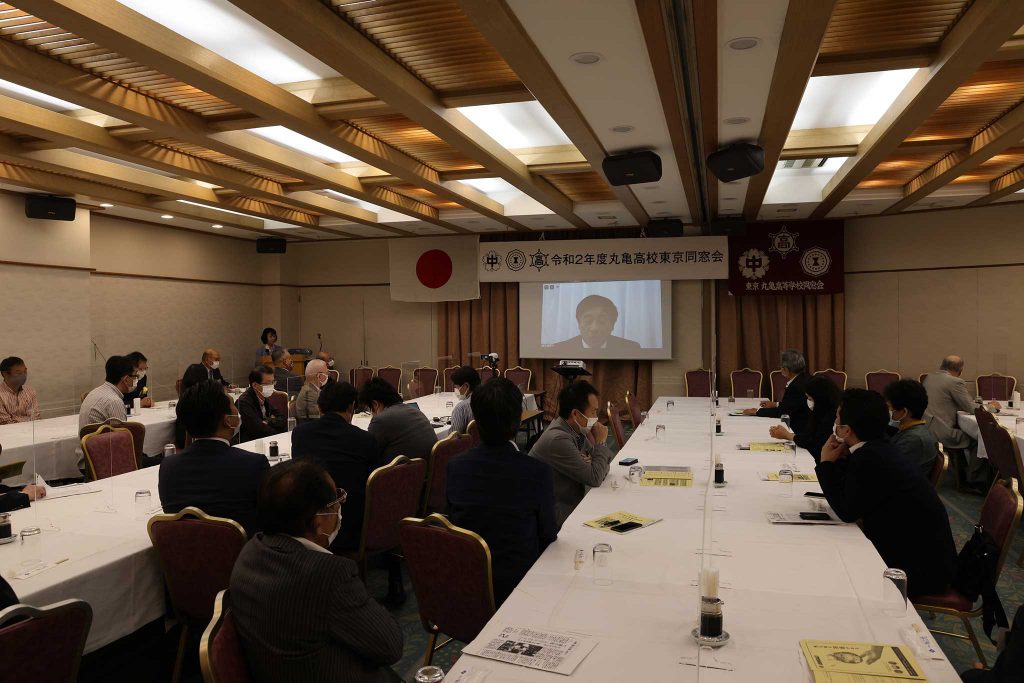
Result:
[[517, 124], [850, 99]]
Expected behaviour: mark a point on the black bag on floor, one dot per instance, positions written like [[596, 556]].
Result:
[[975, 576]]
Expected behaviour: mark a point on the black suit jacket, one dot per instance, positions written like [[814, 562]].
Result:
[[258, 420], [614, 345], [816, 432], [216, 478], [130, 397], [349, 454], [793, 403], [7, 596], [901, 513], [11, 498], [508, 498], [197, 372]]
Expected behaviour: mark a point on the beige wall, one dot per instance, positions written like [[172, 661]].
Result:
[[921, 286], [687, 309]]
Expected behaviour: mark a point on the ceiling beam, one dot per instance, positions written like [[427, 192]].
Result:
[[806, 23], [986, 23], [860, 62], [499, 25], [1002, 186], [705, 34], [1005, 132], [318, 30], [133, 35]]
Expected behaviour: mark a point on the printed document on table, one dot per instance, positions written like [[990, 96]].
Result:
[[843, 662], [795, 518], [666, 475], [546, 650], [769, 446], [614, 519], [798, 477]]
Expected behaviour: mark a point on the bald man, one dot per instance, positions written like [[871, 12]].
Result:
[[947, 394], [306, 402], [208, 369]]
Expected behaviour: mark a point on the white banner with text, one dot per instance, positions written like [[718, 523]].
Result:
[[650, 258]]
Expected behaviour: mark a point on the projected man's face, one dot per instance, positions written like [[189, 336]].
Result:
[[596, 323]]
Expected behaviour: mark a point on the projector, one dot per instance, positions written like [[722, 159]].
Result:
[[572, 364]]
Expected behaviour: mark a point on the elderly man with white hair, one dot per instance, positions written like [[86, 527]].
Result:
[[794, 399], [305, 403]]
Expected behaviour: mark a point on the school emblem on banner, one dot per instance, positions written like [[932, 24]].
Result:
[[775, 259]]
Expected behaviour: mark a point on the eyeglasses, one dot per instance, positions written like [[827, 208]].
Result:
[[342, 497]]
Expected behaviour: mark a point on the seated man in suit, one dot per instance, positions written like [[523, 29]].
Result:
[[907, 400], [306, 402], [565, 446], [18, 401], [259, 417], [208, 369], [400, 428], [302, 613], [107, 400], [210, 474], [284, 378], [596, 316], [18, 497], [141, 391], [501, 493], [348, 453], [794, 400], [947, 394], [864, 478]]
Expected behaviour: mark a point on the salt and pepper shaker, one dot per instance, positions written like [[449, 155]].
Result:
[[272, 452], [718, 426], [719, 472], [711, 618]]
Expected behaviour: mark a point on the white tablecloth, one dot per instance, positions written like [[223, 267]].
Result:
[[54, 442], [968, 423], [781, 583]]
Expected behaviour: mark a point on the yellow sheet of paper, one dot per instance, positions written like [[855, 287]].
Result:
[[620, 517], [797, 476], [768, 446], [666, 481], [844, 662]]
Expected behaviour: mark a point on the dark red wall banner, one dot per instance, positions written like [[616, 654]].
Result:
[[787, 258]]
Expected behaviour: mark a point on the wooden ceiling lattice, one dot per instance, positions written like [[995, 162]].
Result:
[[224, 160], [425, 196], [989, 93], [993, 168], [900, 168], [870, 26], [585, 186], [432, 39], [26, 30], [416, 141]]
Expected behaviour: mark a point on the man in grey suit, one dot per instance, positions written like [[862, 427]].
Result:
[[947, 394], [565, 445], [302, 613]]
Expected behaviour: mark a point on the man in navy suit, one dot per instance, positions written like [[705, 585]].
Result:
[[500, 492], [208, 369], [210, 474]]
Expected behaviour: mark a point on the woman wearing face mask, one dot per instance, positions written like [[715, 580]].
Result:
[[822, 401], [907, 401], [306, 402], [259, 417], [302, 613], [464, 381]]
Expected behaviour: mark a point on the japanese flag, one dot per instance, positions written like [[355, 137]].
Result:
[[434, 268]]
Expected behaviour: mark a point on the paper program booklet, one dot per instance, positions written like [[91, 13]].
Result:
[[841, 662], [614, 519], [666, 475], [547, 650], [769, 446], [798, 477]]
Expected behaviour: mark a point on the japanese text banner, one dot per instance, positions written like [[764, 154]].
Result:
[[662, 258], [776, 258]]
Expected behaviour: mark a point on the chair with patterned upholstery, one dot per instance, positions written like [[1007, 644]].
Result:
[[415, 389], [615, 424], [635, 410], [996, 387], [474, 433], [939, 466], [197, 553], [697, 382], [453, 445], [427, 377], [486, 372], [878, 380], [360, 376], [392, 493], [450, 569], [391, 375], [220, 649], [837, 377], [40, 644], [1000, 516], [109, 451], [520, 376], [447, 378], [137, 429], [747, 379], [777, 381]]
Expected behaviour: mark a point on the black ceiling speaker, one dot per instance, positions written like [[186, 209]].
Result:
[[50, 207], [735, 161], [632, 168], [271, 245], [664, 227]]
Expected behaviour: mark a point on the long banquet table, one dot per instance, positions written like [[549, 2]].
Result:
[[780, 583]]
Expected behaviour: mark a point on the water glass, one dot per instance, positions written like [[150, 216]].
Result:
[[643, 417], [143, 503], [659, 432], [894, 592], [449, 405], [1019, 426], [785, 421], [291, 424], [603, 564], [259, 447], [429, 674], [750, 393], [669, 405], [636, 473], [786, 481]]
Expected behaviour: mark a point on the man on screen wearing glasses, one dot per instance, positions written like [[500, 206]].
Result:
[[596, 316]]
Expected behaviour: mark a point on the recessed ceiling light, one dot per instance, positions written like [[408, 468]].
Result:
[[472, 221], [664, 213], [623, 129], [586, 58], [728, 199], [744, 43], [216, 226], [659, 201], [167, 216], [785, 210], [605, 217], [107, 206], [649, 187], [736, 120]]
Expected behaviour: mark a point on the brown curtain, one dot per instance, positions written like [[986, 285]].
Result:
[[754, 330], [491, 323]]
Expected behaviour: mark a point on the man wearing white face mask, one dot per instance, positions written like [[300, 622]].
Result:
[[306, 401], [107, 400], [208, 369], [210, 474], [259, 417], [302, 613], [574, 446], [464, 381]]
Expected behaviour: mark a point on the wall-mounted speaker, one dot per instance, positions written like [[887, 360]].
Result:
[[735, 161], [632, 168], [271, 245], [50, 207]]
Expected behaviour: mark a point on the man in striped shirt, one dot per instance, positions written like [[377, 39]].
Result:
[[18, 401]]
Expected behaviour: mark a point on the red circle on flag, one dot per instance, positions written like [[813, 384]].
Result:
[[434, 268]]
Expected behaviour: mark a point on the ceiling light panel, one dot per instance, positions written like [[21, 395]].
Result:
[[35, 97], [517, 124], [223, 28], [300, 143], [850, 99]]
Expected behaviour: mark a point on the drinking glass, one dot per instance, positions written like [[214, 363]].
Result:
[[786, 481], [1019, 426], [143, 503], [659, 432], [449, 405], [603, 564], [643, 417], [894, 592], [785, 421], [750, 393], [669, 405], [636, 473], [429, 674]]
